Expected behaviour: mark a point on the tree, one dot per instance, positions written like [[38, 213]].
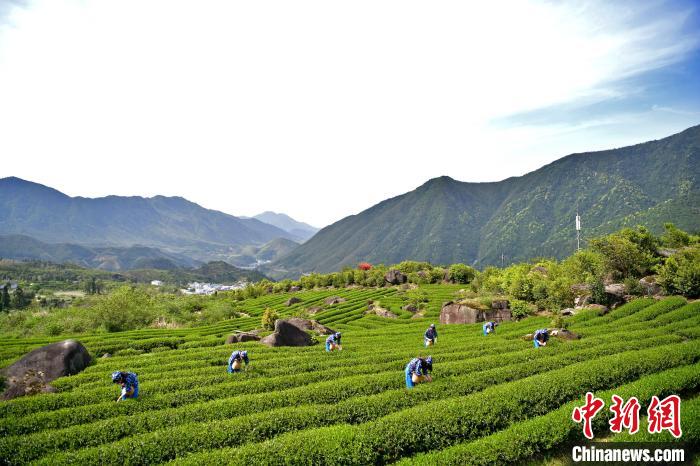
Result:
[[6, 297], [674, 237], [681, 273], [461, 273], [268, 319], [19, 301], [90, 286], [623, 257], [126, 308]]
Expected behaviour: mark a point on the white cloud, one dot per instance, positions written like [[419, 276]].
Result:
[[314, 108]]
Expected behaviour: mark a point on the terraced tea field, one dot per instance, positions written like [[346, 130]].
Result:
[[494, 400]]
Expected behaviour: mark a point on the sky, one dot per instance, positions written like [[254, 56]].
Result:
[[321, 109]]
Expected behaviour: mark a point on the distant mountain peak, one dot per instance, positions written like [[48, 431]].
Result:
[[15, 184], [302, 231]]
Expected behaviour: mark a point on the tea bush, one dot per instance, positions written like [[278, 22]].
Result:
[[303, 405]]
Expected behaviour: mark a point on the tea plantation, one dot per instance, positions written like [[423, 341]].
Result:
[[494, 400]]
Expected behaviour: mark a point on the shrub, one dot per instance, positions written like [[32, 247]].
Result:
[[234, 428], [455, 419], [519, 309], [128, 352], [546, 433], [268, 319], [598, 294], [674, 237], [559, 322], [627, 253], [124, 309], [461, 273], [681, 273], [633, 287]]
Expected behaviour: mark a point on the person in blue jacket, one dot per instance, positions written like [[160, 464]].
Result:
[[129, 383], [235, 362], [489, 327], [417, 371], [541, 337], [430, 336], [333, 342]]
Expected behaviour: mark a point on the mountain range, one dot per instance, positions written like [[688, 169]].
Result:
[[443, 221], [446, 221], [173, 229]]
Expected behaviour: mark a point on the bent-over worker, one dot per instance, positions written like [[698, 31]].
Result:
[[541, 337], [129, 383], [333, 342], [430, 336], [235, 362], [417, 371], [489, 327]]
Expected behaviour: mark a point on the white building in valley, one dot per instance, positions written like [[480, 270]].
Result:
[[210, 288]]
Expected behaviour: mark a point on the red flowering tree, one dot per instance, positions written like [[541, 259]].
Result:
[[364, 266]]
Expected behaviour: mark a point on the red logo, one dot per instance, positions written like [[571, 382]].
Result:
[[624, 416], [587, 412], [665, 415]]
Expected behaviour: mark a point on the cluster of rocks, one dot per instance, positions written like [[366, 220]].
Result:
[[374, 308], [394, 277], [459, 313], [291, 301], [570, 311], [294, 332], [332, 300], [240, 337], [33, 373], [617, 293]]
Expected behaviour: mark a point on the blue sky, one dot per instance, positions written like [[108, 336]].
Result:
[[321, 109]]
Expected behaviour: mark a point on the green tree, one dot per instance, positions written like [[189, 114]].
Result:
[[584, 266], [461, 273], [681, 273], [19, 300], [268, 319], [623, 257], [674, 237], [92, 286], [417, 297], [6, 296], [126, 308]]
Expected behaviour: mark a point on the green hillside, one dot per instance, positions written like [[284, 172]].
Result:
[[114, 258], [275, 249], [494, 399], [447, 221]]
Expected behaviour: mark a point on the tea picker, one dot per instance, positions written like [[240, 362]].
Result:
[[541, 337], [489, 327], [236, 361], [129, 383], [417, 371], [430, 336], [333, 342]]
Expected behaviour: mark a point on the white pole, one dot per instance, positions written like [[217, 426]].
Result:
[[578, 232]]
